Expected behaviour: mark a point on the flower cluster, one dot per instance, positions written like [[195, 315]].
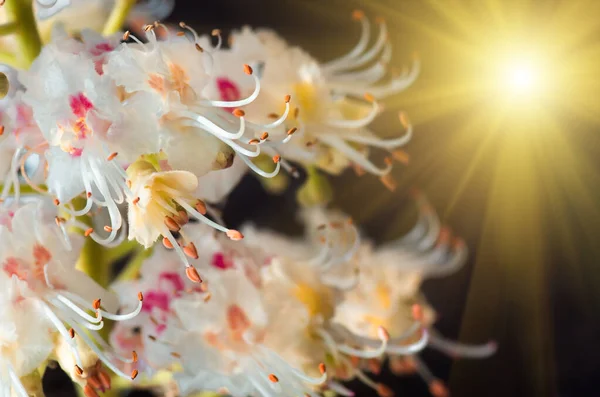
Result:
[[294, 316], [138, 135]]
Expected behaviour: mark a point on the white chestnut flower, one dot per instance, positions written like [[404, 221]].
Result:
[[176, 71], [219, 344], [330, 117], [86, 124], [36, 255]]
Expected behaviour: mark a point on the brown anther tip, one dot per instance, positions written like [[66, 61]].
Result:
[[401, 156], [71, 333], [148, 27], [88, 232], [215, 32], [417, 312], [369, 97], [171, 224], [134, 356], [152, 338], [56, 201], [175, 354], [239, 113], [191, 251], [234, 235], [140, 296], [276, 158], [180, 34], [437, 389], [89, 194], [404, 119], [358, 15], [247, 69], [1, 130], [108, 229], [182, 24], [321, 227], [273, 116], [112, 156], [89, 391], [192, 274], [136, 200], [96, 303], [253, 141], [183, 216], [126, 35], [322, 368], [201, 207], [292, 130], [207, 297], [388, 161], [198, 47], [134, 374], [287, 98], [264, 136], [296, 113], [384, 391], [389, 182], [78, 370], [273, 378], [167, 243]]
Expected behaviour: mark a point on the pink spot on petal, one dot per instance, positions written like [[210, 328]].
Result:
[[221, 262], [156, 299], [80, 105], [174, 279], [228, 90]]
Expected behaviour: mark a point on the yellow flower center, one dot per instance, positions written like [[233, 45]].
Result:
[[316, 301]]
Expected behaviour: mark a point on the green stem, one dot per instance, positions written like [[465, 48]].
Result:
[[117, 17], [26, 29], [8, 28]]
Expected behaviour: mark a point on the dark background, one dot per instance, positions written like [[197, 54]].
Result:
[[549, 344]]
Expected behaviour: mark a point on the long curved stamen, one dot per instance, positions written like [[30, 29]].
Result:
[[237, 103], [383, 143], [340, 389], [394, 86], [455, 349], [360, 47], [198, 121], [259, 171], [354, 155], [457, 260], [359, 123], [280, 120], [73, 307], [217, 33], [412, 348], [370, 54], [108, 315], [368, 354]]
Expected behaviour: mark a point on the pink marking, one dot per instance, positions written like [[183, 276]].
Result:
[[101, 48], [80, 104], [157, 299], [228, 90], [76, 152], [12, 267], [221, 262], [174, 278]]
